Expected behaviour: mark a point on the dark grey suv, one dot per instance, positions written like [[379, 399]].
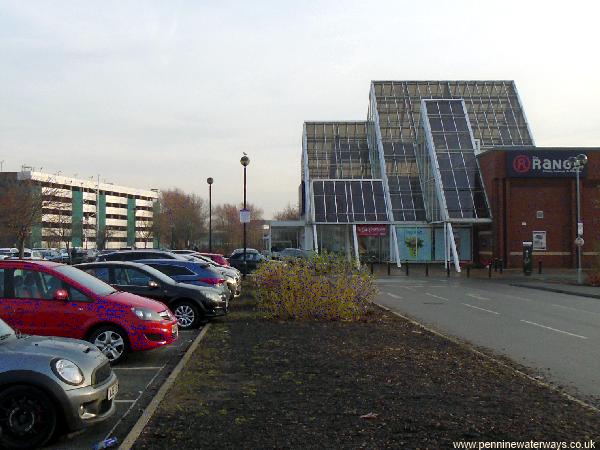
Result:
[[47, 384]]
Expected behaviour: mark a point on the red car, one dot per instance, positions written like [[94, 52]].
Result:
[[216, 257], [51, 299]]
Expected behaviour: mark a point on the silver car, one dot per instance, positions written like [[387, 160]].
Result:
[[46, 382]]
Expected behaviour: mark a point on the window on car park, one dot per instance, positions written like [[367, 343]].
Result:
[[127, 276], [101, 273], [29, 284]]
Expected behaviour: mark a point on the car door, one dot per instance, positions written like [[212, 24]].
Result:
[[135, 281], [6, 300], [36, 311]]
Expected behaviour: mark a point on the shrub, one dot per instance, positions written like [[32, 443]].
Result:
[[324, 287]]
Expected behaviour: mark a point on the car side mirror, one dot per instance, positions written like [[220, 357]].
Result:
[[61, 294], [153, 284]]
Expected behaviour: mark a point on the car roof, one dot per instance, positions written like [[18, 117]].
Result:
[[131, 264], [177, 262], [29, 262]]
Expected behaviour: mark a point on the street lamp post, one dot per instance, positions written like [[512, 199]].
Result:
[[244, 161], [210, 182], [578, 162]]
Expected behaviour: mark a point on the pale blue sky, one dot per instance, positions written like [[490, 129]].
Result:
[[157, 94]]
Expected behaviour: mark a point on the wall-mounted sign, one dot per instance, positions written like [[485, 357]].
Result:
[[414, 243], [546, 164], [539, 240], [371, 230]]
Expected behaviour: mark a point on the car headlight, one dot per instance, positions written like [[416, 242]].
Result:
[[67, 371], [146, 314]]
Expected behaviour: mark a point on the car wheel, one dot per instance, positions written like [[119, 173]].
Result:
[[27, 418], [187, 314], [111, 341]]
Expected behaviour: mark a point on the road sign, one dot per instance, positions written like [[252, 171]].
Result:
[[579, 241], [579, 228], [244, 216]]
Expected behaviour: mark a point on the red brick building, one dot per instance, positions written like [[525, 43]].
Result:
[[533, 192]]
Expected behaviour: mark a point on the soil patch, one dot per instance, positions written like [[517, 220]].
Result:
[[381, 383]]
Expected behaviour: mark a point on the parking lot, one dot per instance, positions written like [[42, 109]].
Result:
[[140, 377]]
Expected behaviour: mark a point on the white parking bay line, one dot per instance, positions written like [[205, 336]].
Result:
[[394, 296], [554, 329], [139, 368], [437, 296], [126, 401], [481, 309], [478, 297], [574, 309]]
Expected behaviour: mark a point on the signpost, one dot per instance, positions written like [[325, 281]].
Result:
[[244, 216]]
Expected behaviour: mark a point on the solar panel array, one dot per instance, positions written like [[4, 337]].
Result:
[[454, 151], [338, 150], [344, 201]]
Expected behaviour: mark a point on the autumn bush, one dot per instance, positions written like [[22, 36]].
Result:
[[324, 287]]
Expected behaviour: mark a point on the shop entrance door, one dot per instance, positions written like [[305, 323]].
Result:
[[373, 243]]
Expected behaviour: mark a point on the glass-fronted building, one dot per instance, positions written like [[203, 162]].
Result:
[[405, 185]]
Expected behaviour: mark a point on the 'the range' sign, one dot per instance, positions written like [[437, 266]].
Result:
[[549, 163]]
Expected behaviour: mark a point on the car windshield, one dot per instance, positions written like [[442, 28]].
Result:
[[5, 331], [88, 281]]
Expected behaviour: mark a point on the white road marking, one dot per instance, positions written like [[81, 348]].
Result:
[[478, 297], [394, 296], [481, 309], [139, 368], [436, 296], [554, 329], [126, 401]]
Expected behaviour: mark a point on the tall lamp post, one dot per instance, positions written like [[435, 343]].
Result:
[[578, 162], [244, 161], [210, 182]]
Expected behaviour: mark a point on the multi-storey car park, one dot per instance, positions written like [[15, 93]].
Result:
[[427, 178], [87, 213]]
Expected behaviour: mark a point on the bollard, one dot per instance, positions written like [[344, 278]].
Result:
[[540, 267], [501, 261], [371, 267], [448, 269], [468, 271], [496, 265], [490, 270], [389, 268], [406, 264], [426, 269]]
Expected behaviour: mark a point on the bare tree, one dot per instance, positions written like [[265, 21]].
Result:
[[288, 213], [59, 225], [145, 230], [22, 203]]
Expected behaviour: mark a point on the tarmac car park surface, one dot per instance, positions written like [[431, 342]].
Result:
[[140, 377]]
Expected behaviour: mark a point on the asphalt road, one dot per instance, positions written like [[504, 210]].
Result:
[[140, 377], [556, 334]]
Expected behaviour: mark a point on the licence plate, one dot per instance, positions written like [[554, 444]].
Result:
[[112, 391], [174, 329]]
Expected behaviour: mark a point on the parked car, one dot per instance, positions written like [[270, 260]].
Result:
[[135, 255], [190, 304], [253, 259], [50, 254], [232, 276], [191, 272], [27, 253], [294, 253], [52, 299], [47, 382], [218, 258]]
